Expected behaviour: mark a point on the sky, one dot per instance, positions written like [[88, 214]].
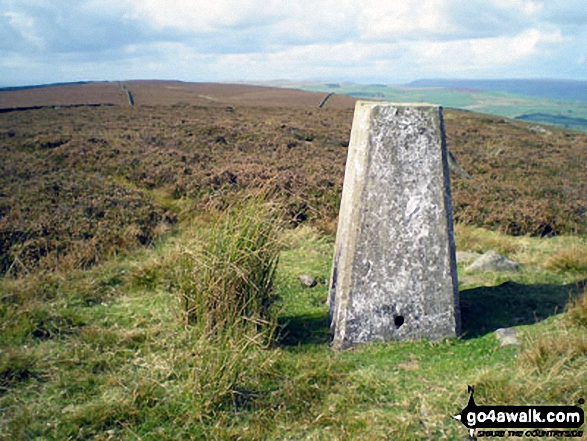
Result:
[[368, 41]]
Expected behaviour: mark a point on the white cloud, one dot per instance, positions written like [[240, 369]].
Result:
[[573, 16], [504, 50], [373, 40], [408, 18], [444, 20], [279, 22], [527, 7], [483, 55], [204, 16], [25, 25], [17, 61]]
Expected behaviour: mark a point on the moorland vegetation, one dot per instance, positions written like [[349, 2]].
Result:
[[80, 185], [150, 258]]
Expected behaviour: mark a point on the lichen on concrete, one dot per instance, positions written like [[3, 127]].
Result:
[[394, 271]]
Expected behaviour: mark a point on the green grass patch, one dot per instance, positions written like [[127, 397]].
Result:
[[116, 359]]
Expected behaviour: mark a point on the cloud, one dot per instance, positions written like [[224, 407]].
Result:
[[23, 27], [373, 40], [569, 13], [70, 26], [255, 25], [526, 7], [484, 56], [504, 50], [407, 19], [199, 16], [434, 20], [203, 16]]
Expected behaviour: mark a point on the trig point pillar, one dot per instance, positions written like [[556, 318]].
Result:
[[394, 274]]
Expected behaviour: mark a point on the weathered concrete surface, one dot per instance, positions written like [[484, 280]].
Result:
[[394, 272]]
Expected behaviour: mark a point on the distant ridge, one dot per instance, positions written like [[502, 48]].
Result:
[[41, 86], [552, 89], [165, 93]]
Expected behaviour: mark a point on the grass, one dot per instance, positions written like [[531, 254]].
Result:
[[115, 358], [559, 259], [107, 228], [229, 284], [82, 185]]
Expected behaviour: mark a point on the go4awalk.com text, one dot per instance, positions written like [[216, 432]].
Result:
[[519, 421]]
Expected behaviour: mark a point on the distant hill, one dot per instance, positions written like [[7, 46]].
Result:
[[552, 89], [562, 103], [569, 113], [166, 93], [41, 86]]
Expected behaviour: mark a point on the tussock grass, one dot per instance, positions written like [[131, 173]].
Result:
[[15, 366], [229, 283], [571, 258], [553, 351], [116, 362], [481, 240], [550, 367], [228, 374], [577, 311]]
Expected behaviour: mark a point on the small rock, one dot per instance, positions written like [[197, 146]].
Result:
[[540, 129], [308, 281], [466, 256], [491, 261], [507, 336]]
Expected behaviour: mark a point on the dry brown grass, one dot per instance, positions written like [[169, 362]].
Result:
[[571, 258], [93, 93], [522, 182], [87, 182], [577, 310], [170, 93], [221, 95], [550, 353]]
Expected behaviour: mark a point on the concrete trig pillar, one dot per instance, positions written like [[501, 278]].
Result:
[[394, 273]]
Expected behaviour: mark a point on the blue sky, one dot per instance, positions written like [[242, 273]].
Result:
[[367, 41]]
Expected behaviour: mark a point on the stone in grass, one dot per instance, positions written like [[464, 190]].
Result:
[[492, 261], [507, 336], [467, 256], [539, 129], [308, 281]]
